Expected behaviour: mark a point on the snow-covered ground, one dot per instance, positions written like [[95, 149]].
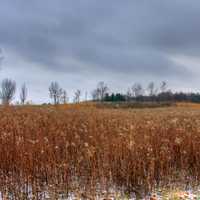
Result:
[[157, 195]]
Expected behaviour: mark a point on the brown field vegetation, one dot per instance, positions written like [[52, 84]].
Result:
[[86, 151]]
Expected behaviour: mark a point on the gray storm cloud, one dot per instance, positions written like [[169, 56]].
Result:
[[114, 37]]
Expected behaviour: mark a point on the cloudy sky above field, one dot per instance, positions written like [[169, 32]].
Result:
[[81, 42]]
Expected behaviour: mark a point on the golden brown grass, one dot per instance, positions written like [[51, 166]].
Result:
[[188, 105], [85, 150]]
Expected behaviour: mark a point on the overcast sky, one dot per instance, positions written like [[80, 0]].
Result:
[[81, 42]]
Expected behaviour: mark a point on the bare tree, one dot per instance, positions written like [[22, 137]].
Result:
[[163, 87], [152, 89], [99, 93], [55, 92], [102, 88], [137, 90], [64, 97], [23, 94], [95, 95], [77, 96], [8, 89], [128, 94]]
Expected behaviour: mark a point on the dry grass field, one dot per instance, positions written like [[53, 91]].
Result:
[[51, 152]]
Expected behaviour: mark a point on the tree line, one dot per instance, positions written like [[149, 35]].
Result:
[[151, 94], [102, 93]]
